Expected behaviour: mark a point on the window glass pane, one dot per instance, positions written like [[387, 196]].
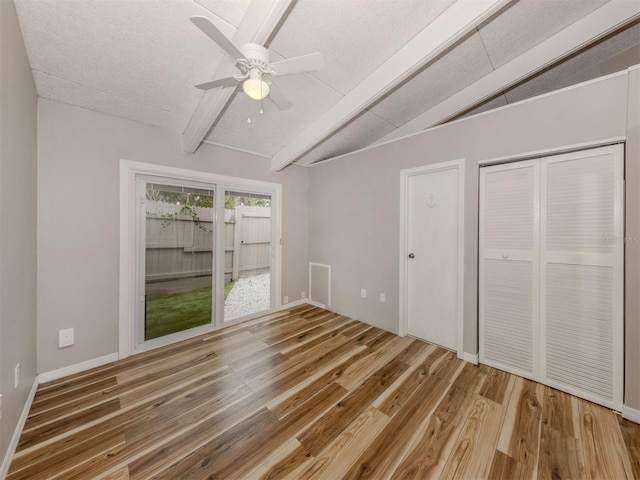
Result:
[[247, 254]]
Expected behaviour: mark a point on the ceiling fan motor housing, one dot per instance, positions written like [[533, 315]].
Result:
[[257, 56]]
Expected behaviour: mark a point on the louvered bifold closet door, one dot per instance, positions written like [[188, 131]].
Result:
[[581, 273], [509, 272]]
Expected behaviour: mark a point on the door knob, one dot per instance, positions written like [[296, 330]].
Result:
[[411, 255]]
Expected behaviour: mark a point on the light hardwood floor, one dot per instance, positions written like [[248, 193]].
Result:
[[306, 394]]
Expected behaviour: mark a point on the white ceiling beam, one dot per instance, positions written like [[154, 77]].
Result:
[[453, 24], [597, 24], [256, 27]]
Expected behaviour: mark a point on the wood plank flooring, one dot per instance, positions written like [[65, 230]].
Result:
[[309, 394]]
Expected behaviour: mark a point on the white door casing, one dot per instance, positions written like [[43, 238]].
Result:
[[432, 223]]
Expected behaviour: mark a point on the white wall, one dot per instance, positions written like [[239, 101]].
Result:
[[78, 220], [354, 201], [18, 223]]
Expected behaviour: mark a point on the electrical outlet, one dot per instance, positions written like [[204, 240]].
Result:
[[65, 338], [304, 295], [16, 377], [383, 298], [363, 292], [286, 299]]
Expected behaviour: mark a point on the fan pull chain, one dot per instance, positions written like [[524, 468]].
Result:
[[261, 98], [260, 110]]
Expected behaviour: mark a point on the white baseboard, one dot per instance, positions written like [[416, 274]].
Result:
[[13, 444], [631, 414], [295, 303], [77, 368], [316, 304], [470, 357]]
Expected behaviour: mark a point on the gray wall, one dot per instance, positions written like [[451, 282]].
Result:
[[78, 251], [354, 202], [632, 250], [18, 212]]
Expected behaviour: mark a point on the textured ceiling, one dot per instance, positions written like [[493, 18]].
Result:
[[354, 36], [130, 58], [140, 59]]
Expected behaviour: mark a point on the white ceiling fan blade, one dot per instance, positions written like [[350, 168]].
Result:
[[278, 98], [220, 82], [305, 63], [211, 31]]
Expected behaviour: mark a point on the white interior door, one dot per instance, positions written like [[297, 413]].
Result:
[[433, 214], [509, 256]]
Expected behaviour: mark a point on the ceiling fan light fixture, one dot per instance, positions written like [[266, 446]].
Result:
[[256, 88], [252, 62]]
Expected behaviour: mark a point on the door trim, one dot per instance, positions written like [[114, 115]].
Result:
[[128, 266], [403, 290]]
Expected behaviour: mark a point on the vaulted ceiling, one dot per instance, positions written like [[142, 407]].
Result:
[[392, 67]]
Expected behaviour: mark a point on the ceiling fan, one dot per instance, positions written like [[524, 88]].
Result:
[[254, 64]]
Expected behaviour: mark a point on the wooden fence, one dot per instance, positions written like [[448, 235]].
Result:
[[180, 241]]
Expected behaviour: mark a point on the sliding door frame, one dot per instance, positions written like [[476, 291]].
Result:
[[129, 238]]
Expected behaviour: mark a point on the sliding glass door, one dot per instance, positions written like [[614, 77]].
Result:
[[177, 262], [205, 257]]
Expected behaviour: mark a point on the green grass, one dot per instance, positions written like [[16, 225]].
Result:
[[179, 311]]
